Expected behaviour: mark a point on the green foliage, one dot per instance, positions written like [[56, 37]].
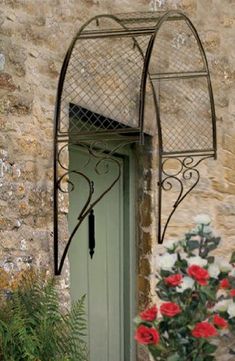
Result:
[[204, 244], [33, 327]]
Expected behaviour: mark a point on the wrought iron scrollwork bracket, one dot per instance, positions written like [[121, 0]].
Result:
[[186, 176], [101, 155]]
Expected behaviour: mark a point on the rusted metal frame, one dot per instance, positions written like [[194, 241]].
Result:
[[77, 37], [213, 115], [58, 265], [148, 20], [106, 155], [181, 197], [182, 75], [212, 103], [148, 30], [153, 16], [104, 137], [55, 159], [105, 140], [164, 18], [116, 33], [142, 102], [93, 132], [195, 152], [146, 74], [162, 155], [187, 171], [85, 212]]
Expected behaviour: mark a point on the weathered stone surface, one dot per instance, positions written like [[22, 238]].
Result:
[[34, 41], [211, 39], [145, 215], [144, 267], [6, 82], [146, 242], [20, 104], [17, 57]]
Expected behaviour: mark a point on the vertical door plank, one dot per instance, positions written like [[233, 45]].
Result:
[[101, 277], [114, 241]]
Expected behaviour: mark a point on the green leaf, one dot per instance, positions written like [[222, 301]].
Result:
[[209, 348], [174, 357], [164, 273], [209, 293], [203, 297], [154, 351], [33, 327], [192, 245]]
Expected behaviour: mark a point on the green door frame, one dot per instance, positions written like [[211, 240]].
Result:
[[129, 251]]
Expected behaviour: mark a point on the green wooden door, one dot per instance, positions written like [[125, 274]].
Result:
[[105, 278]]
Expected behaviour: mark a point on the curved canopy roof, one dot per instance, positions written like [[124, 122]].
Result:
[[138, 73]]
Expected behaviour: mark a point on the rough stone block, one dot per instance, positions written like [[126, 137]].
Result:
[[6, 82]]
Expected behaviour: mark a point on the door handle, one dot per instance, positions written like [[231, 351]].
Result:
[[91, 233]]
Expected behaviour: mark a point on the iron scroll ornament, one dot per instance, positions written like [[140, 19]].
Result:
[[187, 172], [87, 209], [87, 112]]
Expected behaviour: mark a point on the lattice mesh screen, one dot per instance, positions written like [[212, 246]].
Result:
[[103, 78], [185, 115], [176, 49], [102, 85]]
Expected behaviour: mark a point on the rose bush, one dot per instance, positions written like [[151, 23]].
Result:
[[197, 299]]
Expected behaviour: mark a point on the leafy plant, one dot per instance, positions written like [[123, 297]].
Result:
[[33, 327], [197, 299]]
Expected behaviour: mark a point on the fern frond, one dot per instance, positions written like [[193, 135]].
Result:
[[33, 328], [74, 331]]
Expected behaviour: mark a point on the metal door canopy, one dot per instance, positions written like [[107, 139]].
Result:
[[138, 72], [128, 75]]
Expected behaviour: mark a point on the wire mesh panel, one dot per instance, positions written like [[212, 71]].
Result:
[[179, 72], [101, 89], [176, 49], [185, 115]]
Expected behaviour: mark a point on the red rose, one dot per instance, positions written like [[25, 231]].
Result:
[[200, 274], [174, 280], [204, 329], [146, 335], [170, 309], [220, 321], [150, 314], [224, 283], [232, 293]]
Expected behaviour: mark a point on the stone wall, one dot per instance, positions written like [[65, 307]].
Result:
[[34, 38]]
